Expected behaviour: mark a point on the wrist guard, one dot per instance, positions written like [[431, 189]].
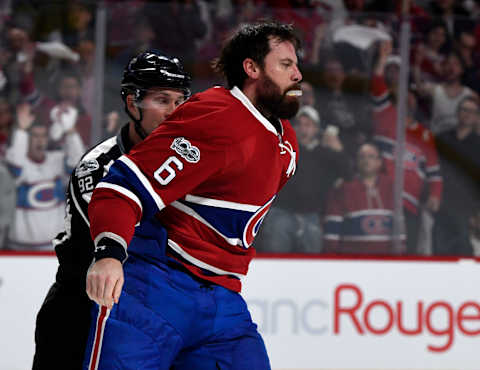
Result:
[[109, 248]]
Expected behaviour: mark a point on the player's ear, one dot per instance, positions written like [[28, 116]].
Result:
[[251, 68]]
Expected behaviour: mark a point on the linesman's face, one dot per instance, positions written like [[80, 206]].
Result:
[[279, 76], [157, 105]]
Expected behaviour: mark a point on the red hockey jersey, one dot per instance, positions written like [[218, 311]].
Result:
[[421, 166], [209, 173], [359, 219]]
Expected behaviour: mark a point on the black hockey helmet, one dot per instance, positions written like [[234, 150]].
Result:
[[153, 69], [148, 70]]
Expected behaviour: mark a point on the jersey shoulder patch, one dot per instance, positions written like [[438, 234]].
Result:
[[86, 167], [186, 150]]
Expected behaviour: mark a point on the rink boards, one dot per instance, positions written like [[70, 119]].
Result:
[[314, 313]]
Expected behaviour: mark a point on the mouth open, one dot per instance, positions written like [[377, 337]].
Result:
[[294, 93]]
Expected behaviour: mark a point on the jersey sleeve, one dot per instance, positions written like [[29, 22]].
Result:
[[169, 164], [16, 155]]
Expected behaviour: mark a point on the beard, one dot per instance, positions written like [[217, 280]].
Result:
[[271, 101]]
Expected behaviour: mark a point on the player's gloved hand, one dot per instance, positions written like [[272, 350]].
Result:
[[105, 281]]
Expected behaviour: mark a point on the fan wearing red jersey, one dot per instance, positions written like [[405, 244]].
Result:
[[421, 166], [208, 176]]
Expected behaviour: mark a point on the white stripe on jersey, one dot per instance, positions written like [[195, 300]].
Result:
[[369, 238], [110, 235], [196, 216], [199, 263], [334, 218], [410, 198], [146, 184], [221, 203], [121, 190], [77, 205], [237, 93], [370, 212], [101, 148], [334, 237]]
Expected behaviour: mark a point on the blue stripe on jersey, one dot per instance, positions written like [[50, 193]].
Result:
[[229, 222], [367, 225], [333, 226], [120, 174]]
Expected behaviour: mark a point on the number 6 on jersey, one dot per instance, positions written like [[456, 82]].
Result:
[[167, 167]]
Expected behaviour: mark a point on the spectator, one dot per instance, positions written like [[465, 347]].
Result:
[[67, 110], [349, 112], [420, 163], [7, 203], [122, 20], [18, 66], [38, 174], [79, 24], [4, 59], [452, 13], [179, 19], [141, 40], [460, 160], [466, 46], [359, 217], [430, 54], [308, 22], [224, 16], [85, 68], [446, 95], [308, 95], [294, 222], [466, 244], [6, 123]]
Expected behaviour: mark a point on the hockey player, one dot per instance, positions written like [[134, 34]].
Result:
[[153, 86], [209, 174]]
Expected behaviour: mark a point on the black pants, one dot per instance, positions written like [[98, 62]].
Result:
[[62, 327]]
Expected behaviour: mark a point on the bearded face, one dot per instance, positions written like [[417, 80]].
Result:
[[270, 98]]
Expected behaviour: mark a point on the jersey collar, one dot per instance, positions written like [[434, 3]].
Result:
[[238, 94]]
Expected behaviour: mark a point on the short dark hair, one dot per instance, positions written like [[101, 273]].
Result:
[[373, 144], [251, 40]]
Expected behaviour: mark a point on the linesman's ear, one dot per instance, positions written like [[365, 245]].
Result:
[[251, 68], [132, 105]]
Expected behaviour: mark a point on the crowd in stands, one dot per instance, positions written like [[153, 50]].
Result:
[[341, 200]]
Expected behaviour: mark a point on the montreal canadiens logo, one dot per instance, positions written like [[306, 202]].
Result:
[[253, 225], [42, 195], [376, 225]]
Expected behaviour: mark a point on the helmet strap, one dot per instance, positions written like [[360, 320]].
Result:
[[138, 126], [137, 122]]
